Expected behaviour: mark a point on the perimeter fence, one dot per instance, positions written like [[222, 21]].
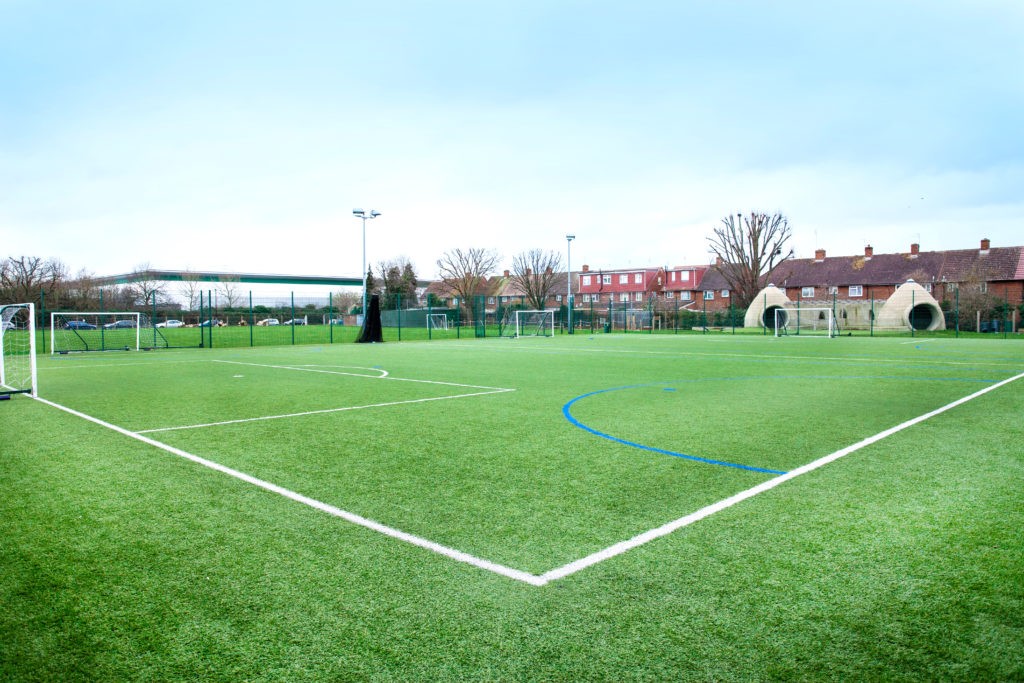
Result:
[[286, 319]]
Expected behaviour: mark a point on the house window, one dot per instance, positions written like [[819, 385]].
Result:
[[670, 295], [856, 290], [490, 300], [624, 297], [638, 278], [606, 279], [725, 293], [832, 289], [983, 287], [558, 298], [927, 287], [709, 295], [684, 276], [807, 292], [623, 279], [685, 296], [639, 296], [586, 280], [673, 276]]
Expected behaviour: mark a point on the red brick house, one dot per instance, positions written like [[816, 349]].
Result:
[[631, 287], [998, 271]]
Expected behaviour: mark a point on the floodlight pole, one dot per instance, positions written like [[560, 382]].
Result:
[[568, 276], [359, 213]]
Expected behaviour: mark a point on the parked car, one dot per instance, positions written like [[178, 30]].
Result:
[[269, 322], [171, 323], [214, 323], [296, 321], [78, 325], [119, 324]]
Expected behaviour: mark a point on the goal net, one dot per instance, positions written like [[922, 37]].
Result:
[[437, 321], [820, 322], [534, 324], [103, 331], [18, 341]]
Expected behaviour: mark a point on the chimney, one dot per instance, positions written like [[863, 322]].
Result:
[[506, 274], [529, 272], [586, 268], [718, 260], [914, 249], [547, 271], [985, 245], [819, 254], [869, 251]]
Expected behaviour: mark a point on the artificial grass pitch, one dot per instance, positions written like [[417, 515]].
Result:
[[902, 560]]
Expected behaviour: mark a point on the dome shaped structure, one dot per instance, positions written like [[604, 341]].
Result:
[[761, 312], [911, 307]]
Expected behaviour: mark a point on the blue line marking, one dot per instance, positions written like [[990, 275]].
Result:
[[566, 410]]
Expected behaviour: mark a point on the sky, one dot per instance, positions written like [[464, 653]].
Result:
[[239, 136]]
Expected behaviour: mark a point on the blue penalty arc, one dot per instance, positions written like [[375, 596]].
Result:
[[567, 412]]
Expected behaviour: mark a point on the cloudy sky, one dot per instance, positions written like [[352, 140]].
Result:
[[239, 136]]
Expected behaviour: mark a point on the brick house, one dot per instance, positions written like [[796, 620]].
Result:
[[682, 286], [631, 287], [870, 276], [999, 271]]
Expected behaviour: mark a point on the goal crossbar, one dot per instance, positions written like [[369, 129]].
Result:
[[102, 331], [535, 323], [809, 321]]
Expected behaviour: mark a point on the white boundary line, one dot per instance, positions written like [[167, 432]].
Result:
[[458, 555], [564, 570], [666, 529]]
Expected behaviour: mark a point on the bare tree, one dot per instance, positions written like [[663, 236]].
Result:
[[143, 287], [24, 278], [80, 293], [536, 274], [749, 249], [191, 288], [462, 273], [346, 301], [230, 291]]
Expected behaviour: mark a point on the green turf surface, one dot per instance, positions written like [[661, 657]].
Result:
[[901, 561]]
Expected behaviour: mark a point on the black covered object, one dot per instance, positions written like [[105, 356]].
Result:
[[371, 331]]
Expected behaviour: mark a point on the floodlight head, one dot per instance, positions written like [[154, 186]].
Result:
[[374, 213], [358, 212], [570, 237]]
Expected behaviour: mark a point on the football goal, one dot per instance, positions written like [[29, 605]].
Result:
[[18, 342], [437, 321], [532, 324], [820, 322], [103, 331]]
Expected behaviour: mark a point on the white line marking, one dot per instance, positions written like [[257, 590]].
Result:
[[301, 368], [918, 341], [385, 375], [318, 412], [457, 555], [572, 567], [666, 529]]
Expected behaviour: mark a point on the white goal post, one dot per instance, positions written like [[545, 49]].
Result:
[[18, 346], [535, 323], [437, 321], [818, 322], [102, 331]]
